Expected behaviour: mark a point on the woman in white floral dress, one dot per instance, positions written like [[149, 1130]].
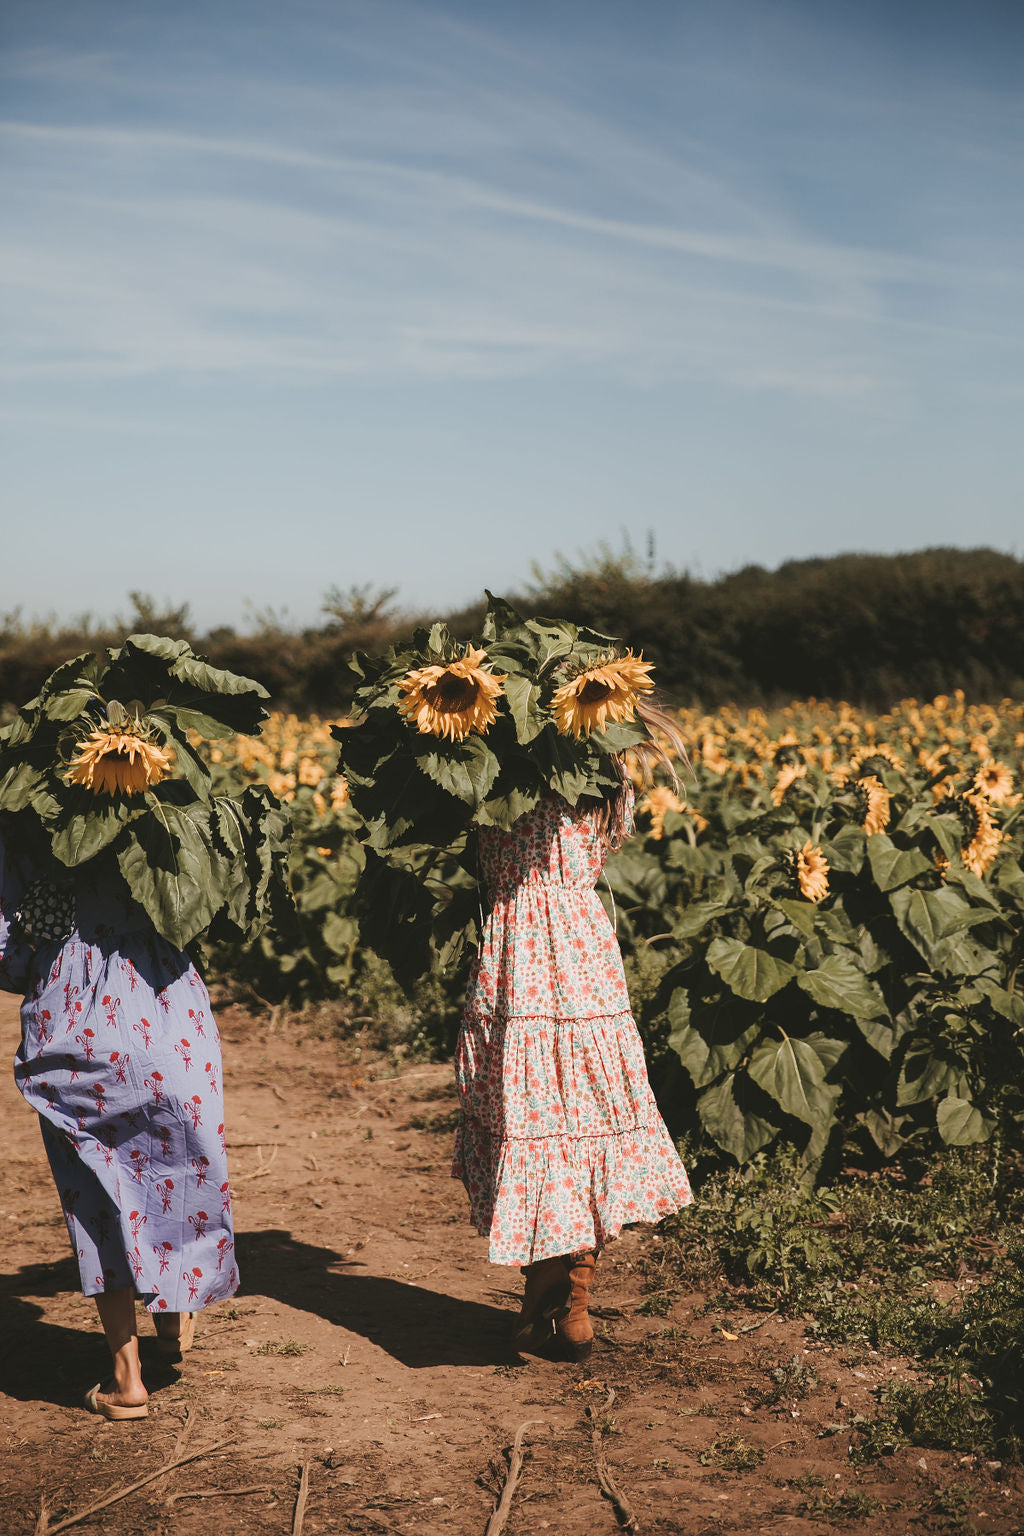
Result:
[[560, 1141]]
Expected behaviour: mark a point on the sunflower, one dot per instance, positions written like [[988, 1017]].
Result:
[[118, 761], [601, 694], [339, 794], [712, 757], [283, 785], [657, 803], [879, 750], [809, 868], [986, 838], [454, 699], [994, 781], [875, 814], [788, 775], [309, 772]]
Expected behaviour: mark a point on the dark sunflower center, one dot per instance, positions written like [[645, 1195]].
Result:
[[452, 694], [969, 819], [593, 691]]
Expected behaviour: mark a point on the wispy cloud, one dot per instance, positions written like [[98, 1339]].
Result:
[[450, 211]]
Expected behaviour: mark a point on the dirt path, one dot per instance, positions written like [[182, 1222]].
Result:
[[368, 1344]]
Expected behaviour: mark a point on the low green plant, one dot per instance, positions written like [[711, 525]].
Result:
[[857, 1260], [731, 1453]]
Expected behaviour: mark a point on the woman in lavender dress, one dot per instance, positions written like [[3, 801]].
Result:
[[120, 1057]]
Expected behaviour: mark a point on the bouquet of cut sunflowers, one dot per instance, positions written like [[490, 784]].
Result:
[[456, 733], [102, 765]]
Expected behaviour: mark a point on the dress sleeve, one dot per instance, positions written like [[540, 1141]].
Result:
[[15, 954]]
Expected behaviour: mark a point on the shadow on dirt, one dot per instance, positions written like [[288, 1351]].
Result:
[[44, 1362], [416, 1326]]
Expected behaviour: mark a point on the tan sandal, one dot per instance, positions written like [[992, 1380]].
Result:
[[113, 1411], [178, 1343]]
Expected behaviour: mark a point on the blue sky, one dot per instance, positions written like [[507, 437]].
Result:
[[415, 295]]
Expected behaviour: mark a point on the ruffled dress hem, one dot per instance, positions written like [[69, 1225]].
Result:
[[537, 1197]]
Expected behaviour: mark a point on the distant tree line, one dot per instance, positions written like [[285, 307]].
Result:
[[868, 628]]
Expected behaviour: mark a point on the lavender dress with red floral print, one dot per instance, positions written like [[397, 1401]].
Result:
[[560, 1142], [120, 1056]]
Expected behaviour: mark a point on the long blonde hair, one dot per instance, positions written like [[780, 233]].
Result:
[[613, 818]]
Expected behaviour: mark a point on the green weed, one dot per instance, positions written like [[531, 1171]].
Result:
[[731, 1453]]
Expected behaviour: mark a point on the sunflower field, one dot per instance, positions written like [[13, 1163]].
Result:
[[823, 920]]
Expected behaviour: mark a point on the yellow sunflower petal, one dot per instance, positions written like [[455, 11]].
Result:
[[453, 700], [605, 693], [115, 762]]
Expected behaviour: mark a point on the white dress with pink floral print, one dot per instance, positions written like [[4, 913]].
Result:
[[560, 1142]]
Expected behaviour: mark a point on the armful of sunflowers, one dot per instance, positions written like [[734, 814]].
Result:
[[455, 734], [101, 770]]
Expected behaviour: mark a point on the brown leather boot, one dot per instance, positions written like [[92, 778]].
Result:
[[574, 1330], [546, 1301]]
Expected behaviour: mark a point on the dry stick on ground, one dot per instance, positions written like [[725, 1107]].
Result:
[[515, 1466], [44, 1528], [183, 1434], [258, 1172], [753, 1327], [300, 1501], [623, 1511], [218, 1493]]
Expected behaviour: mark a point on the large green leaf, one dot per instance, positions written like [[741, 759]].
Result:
[[886, 1130], [697, 917], [801, 914], [204, 698], [188, 762], [76, 676], [523, 701], [232, 832], [80, 834], [1009, 1005], [880, 1034], [620, 736], [792, 1073], [845, 852], [839, 983], [395, 909], [711, 1038], [466, 770], [501, 810], [737, 1129], [892, 866], [961, 1123], [926, 1073], [70, 705], [173, 871], [749, 972], [948, 833], [927, 918], [19, 784]]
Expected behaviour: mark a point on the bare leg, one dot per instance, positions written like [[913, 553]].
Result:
[[117, 1315], [174, 1331]]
